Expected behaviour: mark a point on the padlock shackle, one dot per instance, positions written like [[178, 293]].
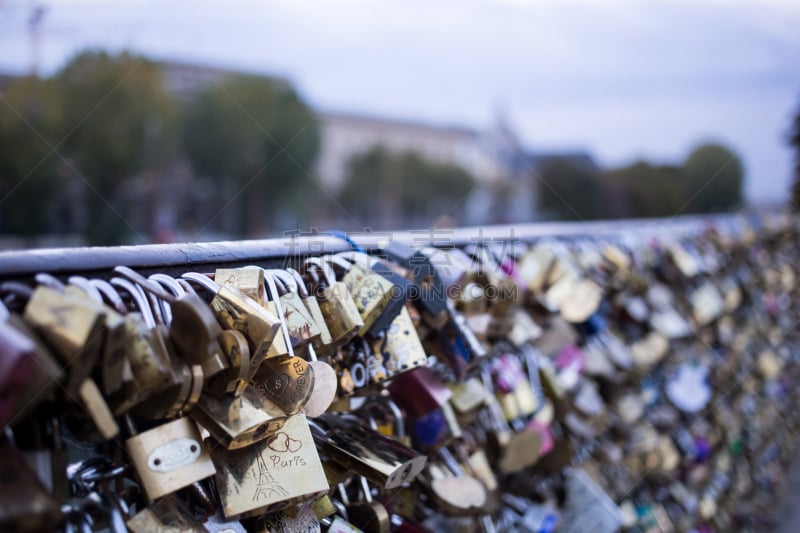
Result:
[[110, 295], [272, 290], [327, 271], [202, 280], [48, 280], [84, 285], [144, 283], [301, 284], [289, 283], [169, 283], [139, 298]]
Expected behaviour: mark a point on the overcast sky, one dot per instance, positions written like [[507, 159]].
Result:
[[624, 79]]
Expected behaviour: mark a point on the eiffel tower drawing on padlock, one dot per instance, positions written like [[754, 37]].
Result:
[[267, 487]]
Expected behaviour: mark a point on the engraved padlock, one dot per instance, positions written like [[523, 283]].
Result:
[[168, 457], [399, 346], [270, 475], [372, 293], [336, 302], [301, 326], [167, 514], [324, 344]]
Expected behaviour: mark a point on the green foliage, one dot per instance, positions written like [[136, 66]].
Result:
[[388, 187], [713, 178], [28, 180], [117, 120], [258, 140], [570, 190], [648, 190]]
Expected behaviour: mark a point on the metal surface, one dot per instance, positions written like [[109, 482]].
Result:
[[177, 258]]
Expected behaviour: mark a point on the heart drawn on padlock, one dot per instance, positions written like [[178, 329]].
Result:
[[282, 442]]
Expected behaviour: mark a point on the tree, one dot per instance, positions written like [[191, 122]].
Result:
[[569, 189], [648, 190], [385, 189], [713, 177], [794, 141], [29, 184], [257, 139], [117, 120]]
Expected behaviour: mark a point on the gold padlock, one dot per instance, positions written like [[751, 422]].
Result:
[[235, 310], [324, 344], [168, 514], [338, 308], [169, 457], [71, 327], [301, 326], [237, 421], [400, 349], [371, 292], [270, 475]]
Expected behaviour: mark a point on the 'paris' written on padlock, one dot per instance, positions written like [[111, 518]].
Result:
[[270, 475]]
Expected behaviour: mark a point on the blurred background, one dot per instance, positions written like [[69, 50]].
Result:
[[142, 121]]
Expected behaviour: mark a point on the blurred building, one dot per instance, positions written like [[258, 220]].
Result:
[[494, 157]]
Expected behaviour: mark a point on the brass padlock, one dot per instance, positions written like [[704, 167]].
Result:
[[168, 457], [193, 327], [301, 326], [382, 460], [399, 346], [371, 292], [338, 308], [271, 475], [72, 327], [168, 514], [237, 421], [112, 358], [324, 344], [236, 311], [286, 382]]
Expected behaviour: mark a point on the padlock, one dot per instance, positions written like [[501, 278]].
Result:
[[454, 492], [168, 457], [371, 292], [167, 514], [46, 372], [338, 308], [271, 475], [71, 327], [250, 281], [237, 421], [236, 365], [382, 460], [193, 327], [431, 299], [302, 518], [236, 311], [113, 352], [399, 346], [301, 326], [419, 391], [26, 505], [368, 515], [287, 382], [324, 344]]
